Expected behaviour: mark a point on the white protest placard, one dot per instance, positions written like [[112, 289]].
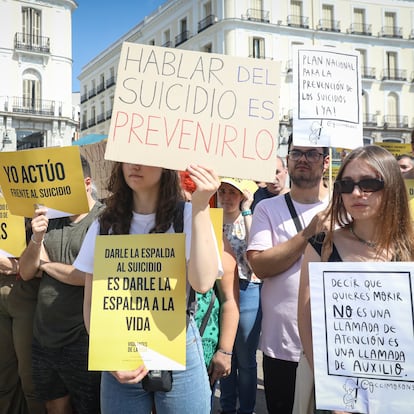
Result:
[[363, 336], [327, 98], [174, 107]]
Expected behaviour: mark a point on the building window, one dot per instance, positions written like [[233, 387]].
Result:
[[31, 90], [152, 42], [257, 47], [208, 48], [31, 22], [166, 42]]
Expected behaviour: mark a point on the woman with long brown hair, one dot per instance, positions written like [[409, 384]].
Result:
[[369, 221]]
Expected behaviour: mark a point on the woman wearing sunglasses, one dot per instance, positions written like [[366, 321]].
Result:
[[369, 221]]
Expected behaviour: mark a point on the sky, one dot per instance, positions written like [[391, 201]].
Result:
[[96, 24]]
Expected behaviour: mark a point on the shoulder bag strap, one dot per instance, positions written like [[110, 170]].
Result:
[[293, 212]]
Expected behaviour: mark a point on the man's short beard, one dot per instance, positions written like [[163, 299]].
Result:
[[306, 182]]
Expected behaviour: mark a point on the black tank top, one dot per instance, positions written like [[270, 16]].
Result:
[[316, 243]]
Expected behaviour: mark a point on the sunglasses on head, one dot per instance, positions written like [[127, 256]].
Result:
[[367, 185]]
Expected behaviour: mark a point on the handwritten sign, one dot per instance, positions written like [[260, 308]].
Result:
[[51, 177], [138, 313], [174, 107], [327, 90], [363, 336], [12, 232]]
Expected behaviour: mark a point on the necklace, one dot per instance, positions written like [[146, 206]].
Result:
[[367, 243]]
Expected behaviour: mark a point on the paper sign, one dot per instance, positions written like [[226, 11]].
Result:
[[12, 232], [216, 217], [395, 148], [51, 177], [327, 96], [363, 336], [138, 312], [175, 107]]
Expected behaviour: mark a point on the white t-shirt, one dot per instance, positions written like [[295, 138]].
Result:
[[140, 224], [272, 224]]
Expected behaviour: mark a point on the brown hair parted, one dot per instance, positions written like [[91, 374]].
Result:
[[117, 215], [395, 229]]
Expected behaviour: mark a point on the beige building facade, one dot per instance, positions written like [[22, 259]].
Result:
[[382, 32]]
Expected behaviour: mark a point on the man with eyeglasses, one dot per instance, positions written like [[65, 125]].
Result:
[[276, 246]]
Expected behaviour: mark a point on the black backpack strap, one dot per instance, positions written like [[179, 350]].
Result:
[[208, 312], [293, 212]]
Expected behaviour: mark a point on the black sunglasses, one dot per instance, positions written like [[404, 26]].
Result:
[[368, 185]]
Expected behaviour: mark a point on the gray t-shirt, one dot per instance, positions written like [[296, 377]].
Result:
[[59, 312]]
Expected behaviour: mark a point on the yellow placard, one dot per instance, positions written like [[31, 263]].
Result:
[[51, 177], [395, 148], [138, 312], [216, 216], [12, 232]]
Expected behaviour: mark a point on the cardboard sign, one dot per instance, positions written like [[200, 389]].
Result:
[[363, 336], [51, 177], [327, 97], [175, 107], [138, 312], [12, 232]]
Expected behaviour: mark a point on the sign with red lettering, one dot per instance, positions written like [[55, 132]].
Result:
[[175, 107]]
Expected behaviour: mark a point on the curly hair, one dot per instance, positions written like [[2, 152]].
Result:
[[394, 232], [117, 215]]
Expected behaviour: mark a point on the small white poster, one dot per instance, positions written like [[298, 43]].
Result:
[[327, 98]]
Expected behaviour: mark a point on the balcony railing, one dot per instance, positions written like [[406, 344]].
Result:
[[391, 31], [258, 15], [368, 72], [84, 125], [100, 87], [298, 21], [329, 25], [206, 22], [92, 93], [32, 43], [110, 81], [370, 120], [395, 121], [394, 75], [100, 118], [168, 43], [33, 106], [360, 29], [109, 114], [182, 37], [91, 122], [84, 98]]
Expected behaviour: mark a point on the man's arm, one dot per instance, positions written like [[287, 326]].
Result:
[[279, 258], [29, 261]]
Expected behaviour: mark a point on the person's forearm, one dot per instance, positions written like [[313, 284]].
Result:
[[277, 259], [229, 322], [64, 273], [9, 266], [29, 261], [203, 263]]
